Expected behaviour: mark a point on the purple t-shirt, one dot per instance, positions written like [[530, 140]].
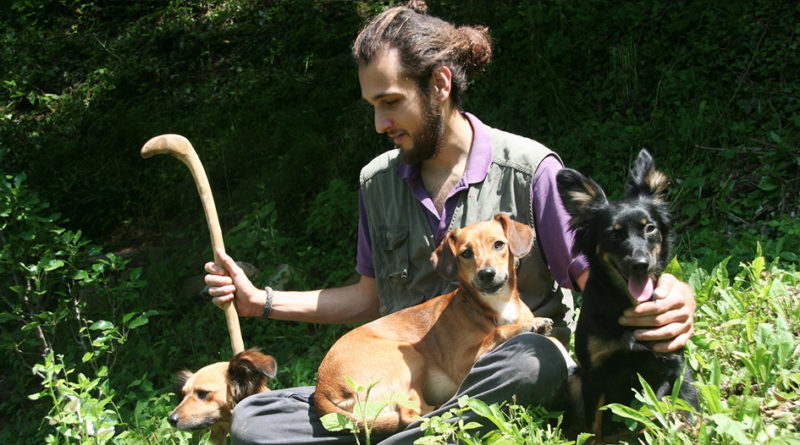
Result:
[[552, 220]]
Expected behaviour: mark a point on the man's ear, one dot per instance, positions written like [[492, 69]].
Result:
[[441, 83]]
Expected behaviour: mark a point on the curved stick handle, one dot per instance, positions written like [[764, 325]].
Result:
[[180, 147]]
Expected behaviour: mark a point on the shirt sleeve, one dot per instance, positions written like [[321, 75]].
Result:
[[552, 226], [364, 263]]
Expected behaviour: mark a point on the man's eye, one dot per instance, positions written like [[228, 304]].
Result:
[[467, 254]]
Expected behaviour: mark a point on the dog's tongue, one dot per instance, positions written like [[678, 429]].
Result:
[[641, 289]]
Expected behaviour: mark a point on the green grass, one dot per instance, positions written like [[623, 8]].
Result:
[[744, 354]]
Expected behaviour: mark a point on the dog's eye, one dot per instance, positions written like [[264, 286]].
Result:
[[202, 395], [467, 254], [498, 245], [649, 228]]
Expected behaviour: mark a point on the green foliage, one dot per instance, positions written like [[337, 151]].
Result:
[[268, 94], [513, 424], [745, 356], [365, 411], [57, 288]]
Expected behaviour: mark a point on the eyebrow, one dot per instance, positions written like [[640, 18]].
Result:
[[380, 96]]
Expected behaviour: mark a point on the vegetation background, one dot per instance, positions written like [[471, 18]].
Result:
[[102, 251]]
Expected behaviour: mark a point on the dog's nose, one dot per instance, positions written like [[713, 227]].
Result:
[[640, 264], [486, 275], [173, 419]]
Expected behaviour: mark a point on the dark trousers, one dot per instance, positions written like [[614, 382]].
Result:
[[529, 366]]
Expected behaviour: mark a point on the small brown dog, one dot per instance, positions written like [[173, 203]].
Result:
[[210, 393], [425, 351]]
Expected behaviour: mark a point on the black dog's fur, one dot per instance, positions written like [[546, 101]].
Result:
[[629, 240]]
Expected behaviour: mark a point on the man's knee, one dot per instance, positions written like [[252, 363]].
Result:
[[537, 366], [243, 415]]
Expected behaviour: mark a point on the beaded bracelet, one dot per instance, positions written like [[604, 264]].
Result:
[[268, 305]]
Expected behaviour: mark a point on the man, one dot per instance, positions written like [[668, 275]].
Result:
[[449, 170]]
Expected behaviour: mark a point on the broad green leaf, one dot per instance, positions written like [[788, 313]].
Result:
[[139, 321], [336, 422], [630, 413], [733, 428], [101, 325], [52, 264]]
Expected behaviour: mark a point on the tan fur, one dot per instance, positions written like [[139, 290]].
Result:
[[208, 394], [601, 349], [658, 182], [425, 351]]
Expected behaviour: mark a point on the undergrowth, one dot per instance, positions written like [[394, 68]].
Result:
[[102, 253]]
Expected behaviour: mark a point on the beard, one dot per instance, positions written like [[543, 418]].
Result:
[[427, 143]]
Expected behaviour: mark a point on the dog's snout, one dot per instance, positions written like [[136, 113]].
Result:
[[173, 418], [640, 264], [487, 274]]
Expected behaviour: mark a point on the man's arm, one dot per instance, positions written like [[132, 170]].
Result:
[[354, 303]]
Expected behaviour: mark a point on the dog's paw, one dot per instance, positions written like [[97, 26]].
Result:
[[542, 325]]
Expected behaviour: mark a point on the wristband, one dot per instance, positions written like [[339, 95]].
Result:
[[268, 304]]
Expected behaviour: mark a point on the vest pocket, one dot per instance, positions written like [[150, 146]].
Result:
[[392, 261], [393, 254]]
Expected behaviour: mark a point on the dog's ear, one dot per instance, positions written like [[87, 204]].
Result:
[[580, 194], [444, 258], [646, 180], [520, 236], [180, 380], [247, 373]]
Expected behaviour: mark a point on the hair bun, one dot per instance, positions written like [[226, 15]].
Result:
[[418, 5], [476, 47]]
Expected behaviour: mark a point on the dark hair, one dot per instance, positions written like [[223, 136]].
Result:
[[425, 44]]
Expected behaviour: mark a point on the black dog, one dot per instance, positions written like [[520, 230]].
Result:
[[628, 244]]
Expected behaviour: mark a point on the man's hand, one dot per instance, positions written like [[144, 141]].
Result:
[[670, 317], [231, 283]]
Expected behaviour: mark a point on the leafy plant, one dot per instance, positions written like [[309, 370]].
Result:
[[365, 411], [51, 275], [513, 424]]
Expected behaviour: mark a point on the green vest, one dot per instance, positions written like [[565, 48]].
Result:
[[401, 236]]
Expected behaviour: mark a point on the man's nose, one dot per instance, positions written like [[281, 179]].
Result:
[[382, 122]]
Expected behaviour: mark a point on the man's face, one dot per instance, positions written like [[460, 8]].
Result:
[[413, 121]]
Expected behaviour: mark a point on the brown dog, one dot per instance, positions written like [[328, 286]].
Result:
[[425, 351], [210, 393]]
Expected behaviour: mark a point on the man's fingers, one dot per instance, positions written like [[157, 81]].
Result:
[[218, 280], [664, 332], [220, 291], [230, 265], [212, 268], [673, 344], [222, 300], [656, 318], [653, 307]]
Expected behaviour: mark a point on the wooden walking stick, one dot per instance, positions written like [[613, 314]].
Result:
[[180, 147]]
